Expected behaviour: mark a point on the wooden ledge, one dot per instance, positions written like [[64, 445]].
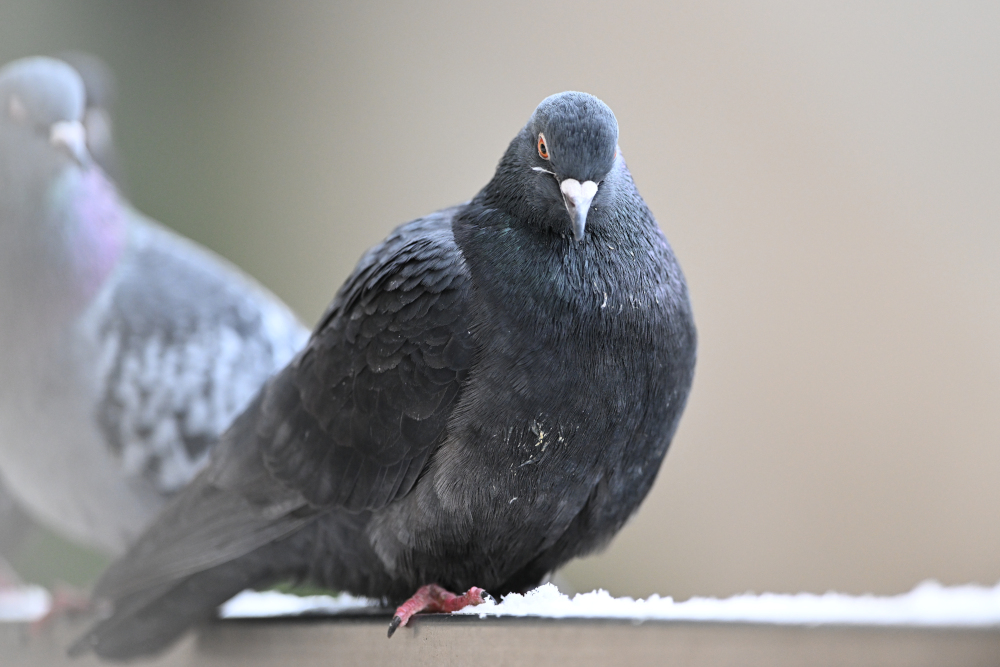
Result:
[[440, 641]]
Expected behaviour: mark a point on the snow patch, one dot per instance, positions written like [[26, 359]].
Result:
[[23, 604], [929, 604], [251, 604]]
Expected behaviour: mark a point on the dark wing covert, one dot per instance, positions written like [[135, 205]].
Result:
[[354, 419]]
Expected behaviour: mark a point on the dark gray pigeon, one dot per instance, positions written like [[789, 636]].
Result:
[[129, 348], [490, 394]]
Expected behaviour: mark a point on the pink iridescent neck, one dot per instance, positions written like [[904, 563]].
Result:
[[92, 216]]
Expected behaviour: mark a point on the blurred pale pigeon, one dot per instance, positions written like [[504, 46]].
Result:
[[99, 83], [15, 525], [125, 349]]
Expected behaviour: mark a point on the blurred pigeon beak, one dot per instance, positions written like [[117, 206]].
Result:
[[70, 136], [577, 197]]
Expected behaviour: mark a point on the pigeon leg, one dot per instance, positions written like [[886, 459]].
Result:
[[66, 602], [434, 598]]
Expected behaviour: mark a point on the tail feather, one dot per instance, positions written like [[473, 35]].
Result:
[[203, 528], [233, 527], [148, 622], [152, 628]]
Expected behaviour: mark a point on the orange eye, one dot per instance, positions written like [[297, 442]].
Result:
[[543, 150]]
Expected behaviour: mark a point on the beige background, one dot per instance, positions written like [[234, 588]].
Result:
[[827, 173]]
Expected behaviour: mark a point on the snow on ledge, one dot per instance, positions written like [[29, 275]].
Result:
[[928, 605]]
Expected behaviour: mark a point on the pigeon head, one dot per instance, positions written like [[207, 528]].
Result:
[[46, 97], [60, 217], [568, 147], [100, 85], [576, 134]]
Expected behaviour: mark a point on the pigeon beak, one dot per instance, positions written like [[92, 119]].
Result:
[[577, 197], [69, 135]]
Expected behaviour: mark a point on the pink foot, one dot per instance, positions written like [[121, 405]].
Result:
[[66, 601], [434, 598]]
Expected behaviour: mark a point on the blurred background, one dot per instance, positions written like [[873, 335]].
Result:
[[828, 174]]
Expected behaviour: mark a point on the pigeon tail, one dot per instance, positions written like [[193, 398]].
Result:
[[148, 622]]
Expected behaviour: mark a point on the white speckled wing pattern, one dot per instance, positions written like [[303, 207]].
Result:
[[184, 342]]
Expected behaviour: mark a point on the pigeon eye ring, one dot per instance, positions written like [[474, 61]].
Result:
[[543, 149]]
